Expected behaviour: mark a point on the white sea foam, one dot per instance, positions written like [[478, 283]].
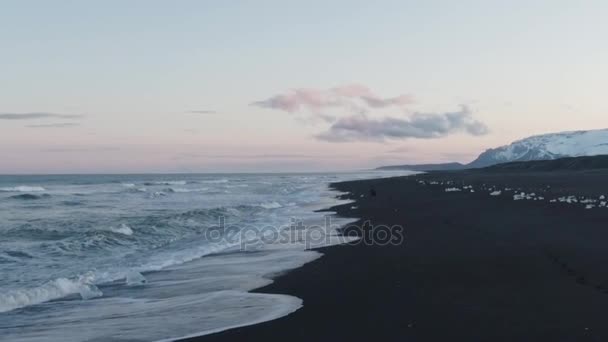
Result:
[[495, 193], [215, 181], [23, 188], [185, 190], [271, 205], [135, 278], [157, 194], [122, 229]]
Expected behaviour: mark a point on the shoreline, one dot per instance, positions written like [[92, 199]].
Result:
[[473, 266]]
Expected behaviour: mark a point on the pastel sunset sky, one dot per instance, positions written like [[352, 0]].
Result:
[[276, 85]]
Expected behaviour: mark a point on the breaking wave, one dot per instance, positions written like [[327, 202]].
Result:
[[23, 188], [51, 290], [216, 181], [86, 285]]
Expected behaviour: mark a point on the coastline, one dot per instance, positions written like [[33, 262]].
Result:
[[472, 267]]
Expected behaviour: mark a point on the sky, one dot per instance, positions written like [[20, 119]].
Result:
[[274, 85]]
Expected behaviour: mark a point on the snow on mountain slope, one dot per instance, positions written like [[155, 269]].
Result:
[[547, 146]]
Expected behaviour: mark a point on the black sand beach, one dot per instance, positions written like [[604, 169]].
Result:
[[473, 267]]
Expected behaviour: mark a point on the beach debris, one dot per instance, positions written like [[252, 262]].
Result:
[[495, 193], [589, 206], [602, 197], [452, 189]]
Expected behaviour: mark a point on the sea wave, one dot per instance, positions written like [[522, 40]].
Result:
[[23, 188], [54, 289], [216, 181], [30, 196], [271, 205], [176, 182], [86, 285], [186, 190]]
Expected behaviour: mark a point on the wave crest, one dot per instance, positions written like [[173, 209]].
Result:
[[51, 290], [23, 188]]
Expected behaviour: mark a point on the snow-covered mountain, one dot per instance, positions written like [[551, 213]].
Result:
[[547, 146]]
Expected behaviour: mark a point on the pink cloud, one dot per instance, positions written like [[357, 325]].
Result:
[[345, 96]]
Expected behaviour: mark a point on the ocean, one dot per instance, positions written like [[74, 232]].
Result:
[[155, 257]]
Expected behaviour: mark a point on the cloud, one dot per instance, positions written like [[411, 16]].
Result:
[[250, 156], [350, 96], [36, 115], [419, 125], [55, 125], [204, 111], [81, 149]]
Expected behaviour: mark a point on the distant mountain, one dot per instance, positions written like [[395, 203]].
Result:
[[547, 147], [539, 147], [425, 167], [568, 163]]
